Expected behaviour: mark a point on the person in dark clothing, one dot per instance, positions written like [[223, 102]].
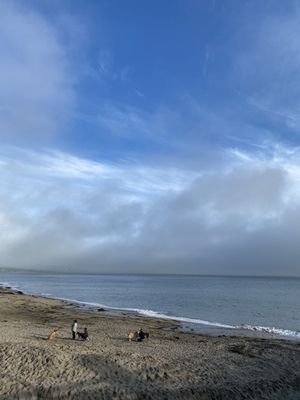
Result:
[[141, 335]]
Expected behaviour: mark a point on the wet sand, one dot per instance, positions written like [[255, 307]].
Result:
[[169, 365]]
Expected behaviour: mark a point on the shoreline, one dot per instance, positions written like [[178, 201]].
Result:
[[185, 324], [168, 365]]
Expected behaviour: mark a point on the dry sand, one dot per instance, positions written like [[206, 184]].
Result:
[[169, 365]]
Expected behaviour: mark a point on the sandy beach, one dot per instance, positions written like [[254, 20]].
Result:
[[169, 365]]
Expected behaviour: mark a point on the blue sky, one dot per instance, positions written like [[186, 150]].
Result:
[[150, 136]]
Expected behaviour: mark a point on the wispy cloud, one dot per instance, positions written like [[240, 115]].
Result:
[[109, 70], [106, 64], [140, 94], [206, 60], [128, 121], [267, 65], [36, 91]]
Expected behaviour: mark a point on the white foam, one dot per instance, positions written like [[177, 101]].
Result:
[[271, 330], [7, 284], [150, 313]]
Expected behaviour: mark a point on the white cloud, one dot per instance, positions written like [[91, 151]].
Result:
[[36, 94]]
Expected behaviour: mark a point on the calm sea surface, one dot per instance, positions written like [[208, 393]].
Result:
[[213, 305]]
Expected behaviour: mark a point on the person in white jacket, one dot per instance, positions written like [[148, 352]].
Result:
[[74, 329]]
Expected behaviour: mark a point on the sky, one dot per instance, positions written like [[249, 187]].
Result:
[[150, 136]]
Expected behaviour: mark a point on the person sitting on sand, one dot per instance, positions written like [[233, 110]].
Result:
[[141, 335], [83, 335], [74, 329]]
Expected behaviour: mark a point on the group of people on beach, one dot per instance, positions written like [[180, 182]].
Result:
[[138, 336], [81, 335]]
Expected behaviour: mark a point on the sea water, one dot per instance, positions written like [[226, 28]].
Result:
[[207, 304]]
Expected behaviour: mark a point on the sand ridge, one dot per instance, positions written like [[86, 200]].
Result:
[[170, 365]]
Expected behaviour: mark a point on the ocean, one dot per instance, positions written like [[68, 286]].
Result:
[[215, 305]]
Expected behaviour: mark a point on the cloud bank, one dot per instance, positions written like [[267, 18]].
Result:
[[75, 214]]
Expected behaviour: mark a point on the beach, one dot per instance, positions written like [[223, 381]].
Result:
[[168, 365]]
